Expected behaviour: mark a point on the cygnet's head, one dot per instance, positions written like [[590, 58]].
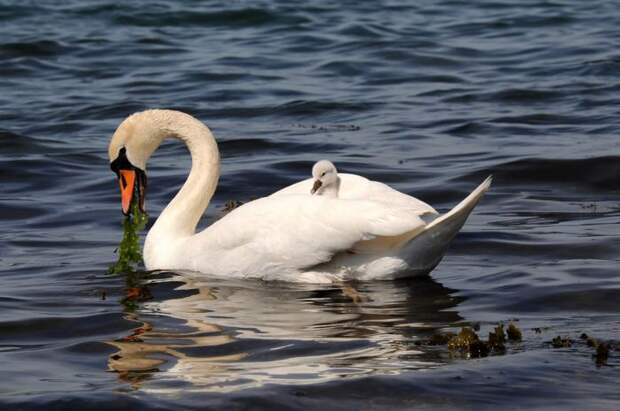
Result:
[[325, 177]]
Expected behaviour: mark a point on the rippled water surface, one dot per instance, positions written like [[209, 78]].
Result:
[[429, 97]]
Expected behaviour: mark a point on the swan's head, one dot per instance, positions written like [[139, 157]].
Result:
[[133, 142], [325, 175], [139, 135]]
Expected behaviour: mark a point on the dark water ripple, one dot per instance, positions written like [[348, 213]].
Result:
[[429, 97]]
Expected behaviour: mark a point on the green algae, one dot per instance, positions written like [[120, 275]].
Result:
[[601, 349], [231, 205], [514, 333], [468, 342], [478, 349], [497, 338], [602, 354], [227, 207], [462, 340], [129, 253], [559, 342], [590, 341], [469, 345]]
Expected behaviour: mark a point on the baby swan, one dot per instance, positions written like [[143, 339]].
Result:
[[326, 180]]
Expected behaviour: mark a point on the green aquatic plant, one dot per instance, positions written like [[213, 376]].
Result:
[[463, 340], [602, 354], [467, 341], [478, 349], [514, 333], [559, 342], [497, 338], [590, 341], [467, 344], [128, 250], [440, 339], [602, 349], [231, 205]]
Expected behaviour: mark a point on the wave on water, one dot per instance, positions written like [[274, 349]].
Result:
[[430, 98]]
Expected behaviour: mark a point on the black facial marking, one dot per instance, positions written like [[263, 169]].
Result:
[[121, 163]]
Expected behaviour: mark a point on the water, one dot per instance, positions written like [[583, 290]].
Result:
[[429, 98]]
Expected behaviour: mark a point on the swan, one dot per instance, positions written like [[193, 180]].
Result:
[[365, 230]]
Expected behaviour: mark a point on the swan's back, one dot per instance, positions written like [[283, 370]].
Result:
[[354, 187], [287, 233]]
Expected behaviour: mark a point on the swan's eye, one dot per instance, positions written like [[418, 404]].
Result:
[[323, 173]]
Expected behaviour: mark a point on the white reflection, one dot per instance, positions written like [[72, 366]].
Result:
[[227, 336]]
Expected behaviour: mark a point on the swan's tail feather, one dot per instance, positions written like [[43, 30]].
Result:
[[426, 249], [461, 211]]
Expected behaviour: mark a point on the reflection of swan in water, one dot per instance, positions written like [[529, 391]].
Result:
[[230, 335]]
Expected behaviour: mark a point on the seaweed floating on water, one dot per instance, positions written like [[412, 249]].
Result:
[[497, 338], [513, 332], [602, 349], [231, 205], [602, 353], [559, 342], [227, 207], [590, 341], [129, 252], [467, 341], [462, 340], [478, 349]]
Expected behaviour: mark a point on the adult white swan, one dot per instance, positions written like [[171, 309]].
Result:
[[369, 231]]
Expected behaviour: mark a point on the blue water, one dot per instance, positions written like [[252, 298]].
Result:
[[429, 97]]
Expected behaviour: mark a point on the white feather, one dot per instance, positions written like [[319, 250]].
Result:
[[367, 231]]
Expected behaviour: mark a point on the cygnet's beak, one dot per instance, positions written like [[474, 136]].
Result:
[[316, 186]]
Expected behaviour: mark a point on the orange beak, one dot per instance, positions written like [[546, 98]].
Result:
[[127, 181]]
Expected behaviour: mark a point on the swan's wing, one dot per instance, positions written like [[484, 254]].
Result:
[[354, 187], [301, 187], [300, 231]]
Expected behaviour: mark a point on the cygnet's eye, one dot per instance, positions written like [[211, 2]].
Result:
[[323, 173]]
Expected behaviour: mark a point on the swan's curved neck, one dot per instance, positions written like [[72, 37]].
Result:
[[181, 215]]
